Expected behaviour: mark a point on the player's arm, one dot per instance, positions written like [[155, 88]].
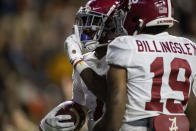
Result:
[[94, 82], [116, 100], [51, 122], [190, 111]]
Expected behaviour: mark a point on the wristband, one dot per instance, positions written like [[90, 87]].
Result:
[[80, 65]]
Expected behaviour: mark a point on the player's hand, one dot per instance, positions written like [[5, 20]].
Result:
[[52, 123], [73, 46]]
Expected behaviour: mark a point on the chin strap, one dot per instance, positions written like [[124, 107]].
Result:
[[101, 45], [91, 46]]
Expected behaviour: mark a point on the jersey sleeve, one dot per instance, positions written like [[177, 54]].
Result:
[[119, 52], [77, 91]]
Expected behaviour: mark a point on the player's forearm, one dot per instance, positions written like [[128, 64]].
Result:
[[115, 110], [112, 119], [95, 83], [116, 99], [190, 111]]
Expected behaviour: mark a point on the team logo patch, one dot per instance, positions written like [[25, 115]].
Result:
[[173, 126], [161, 7], [171, 123], [162, 10]]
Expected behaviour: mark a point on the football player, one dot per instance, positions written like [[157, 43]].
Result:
[[151, 73], [96, 25]]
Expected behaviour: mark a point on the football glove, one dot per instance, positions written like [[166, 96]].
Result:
[[51, 122]]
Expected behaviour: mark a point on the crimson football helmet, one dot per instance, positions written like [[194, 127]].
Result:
[[121, 17], [94, 20], [147, 13]]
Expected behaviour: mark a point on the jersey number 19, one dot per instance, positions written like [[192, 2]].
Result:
[[157, 67]]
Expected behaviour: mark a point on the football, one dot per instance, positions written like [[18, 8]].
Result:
[[78, 115]]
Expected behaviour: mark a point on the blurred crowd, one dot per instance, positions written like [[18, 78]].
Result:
[[35, 74]]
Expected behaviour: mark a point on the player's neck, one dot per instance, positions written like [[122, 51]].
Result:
[[154, 30], [100, 52]]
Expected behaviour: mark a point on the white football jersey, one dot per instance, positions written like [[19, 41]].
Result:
[[80, 92], [160, 71]]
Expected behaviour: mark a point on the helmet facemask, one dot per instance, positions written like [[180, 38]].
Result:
[[93, 26], [90, 25]]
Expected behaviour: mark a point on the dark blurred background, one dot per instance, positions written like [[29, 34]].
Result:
[[35, 74]]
